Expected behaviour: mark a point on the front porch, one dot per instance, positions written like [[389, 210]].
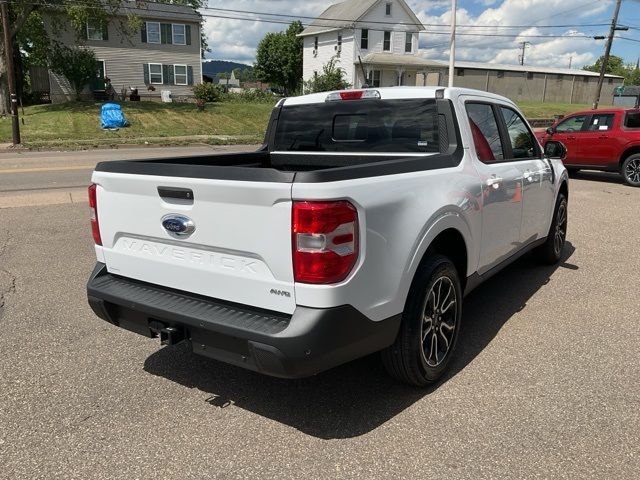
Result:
[[388, 70]]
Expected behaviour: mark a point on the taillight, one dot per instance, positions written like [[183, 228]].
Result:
[[352, 95], [325, 241], [93, 205]]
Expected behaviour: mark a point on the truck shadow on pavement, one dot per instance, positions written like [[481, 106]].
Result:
[[355, 398]]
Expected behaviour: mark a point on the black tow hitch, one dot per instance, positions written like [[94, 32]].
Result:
[[168, 335]]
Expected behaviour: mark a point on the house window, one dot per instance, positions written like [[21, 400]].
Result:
[[387, 9], [155, 74], [95, 31], [408, 42], [178, 32], [153, 32], [387, 41], [180, 74], [460, 72], [374, 78], [529, 76], [339, 46], [364, 39]]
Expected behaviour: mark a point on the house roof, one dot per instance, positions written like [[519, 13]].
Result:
[[162, 11], [346, 14], [400, 60], [529, 68]]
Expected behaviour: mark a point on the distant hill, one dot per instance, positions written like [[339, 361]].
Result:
[[213, 67]]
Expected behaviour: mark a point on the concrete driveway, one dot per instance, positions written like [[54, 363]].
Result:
[[546, 383]]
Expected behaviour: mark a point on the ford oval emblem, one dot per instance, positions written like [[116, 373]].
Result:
[[178, 225]]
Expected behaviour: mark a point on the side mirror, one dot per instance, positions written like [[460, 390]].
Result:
[[555, 150], [550, 131]]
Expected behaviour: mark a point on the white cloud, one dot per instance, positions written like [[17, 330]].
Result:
[[237, 39], [552, 52]]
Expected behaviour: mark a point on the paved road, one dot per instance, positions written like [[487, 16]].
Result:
[[546, 384], [47, 172]]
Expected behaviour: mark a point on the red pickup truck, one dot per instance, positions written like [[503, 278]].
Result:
[[607, 139]]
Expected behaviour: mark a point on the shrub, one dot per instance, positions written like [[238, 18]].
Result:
[[332, 78], [250, 96], [207, 92]]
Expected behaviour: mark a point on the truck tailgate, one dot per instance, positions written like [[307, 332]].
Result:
[[240, 250]]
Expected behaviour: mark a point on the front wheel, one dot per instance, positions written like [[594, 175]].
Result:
[[550, 251], [631, 170], [430, 325]]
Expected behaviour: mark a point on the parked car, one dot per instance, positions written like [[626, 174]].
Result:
[[607, 139], [358, 227]]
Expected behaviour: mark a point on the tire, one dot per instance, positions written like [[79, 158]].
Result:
[[550, 252], [417, 356], [631, 170]]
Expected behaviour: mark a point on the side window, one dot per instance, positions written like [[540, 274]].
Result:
[[523, 144], [632, 120], [486, 136], [571, 124], [601, 122]]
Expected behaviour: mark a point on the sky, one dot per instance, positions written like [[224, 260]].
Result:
[[236, 40]]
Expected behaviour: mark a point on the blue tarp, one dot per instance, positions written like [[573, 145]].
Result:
[[111, 116]]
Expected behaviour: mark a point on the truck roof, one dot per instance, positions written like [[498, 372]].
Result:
[[604, 110], [396, 93]]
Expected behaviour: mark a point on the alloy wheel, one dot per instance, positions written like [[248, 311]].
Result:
[[439, 321], [561, 228], [632, 171]]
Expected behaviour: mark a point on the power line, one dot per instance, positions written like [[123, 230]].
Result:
[[281, 18]]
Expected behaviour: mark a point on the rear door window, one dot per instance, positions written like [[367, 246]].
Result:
[[600, 122], [485, 132], [360, 126]]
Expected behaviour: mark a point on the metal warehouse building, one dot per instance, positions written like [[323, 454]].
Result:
[[523, 83]]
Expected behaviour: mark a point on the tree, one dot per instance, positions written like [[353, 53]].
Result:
[[616, 66], [332, 78], [279, 59], [77, 65], [28, 32]]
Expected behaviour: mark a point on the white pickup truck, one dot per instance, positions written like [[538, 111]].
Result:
[[358, 227]]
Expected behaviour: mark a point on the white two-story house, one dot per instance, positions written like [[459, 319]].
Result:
[[375, 42]]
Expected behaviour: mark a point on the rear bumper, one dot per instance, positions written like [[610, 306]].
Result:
[[289, 346]]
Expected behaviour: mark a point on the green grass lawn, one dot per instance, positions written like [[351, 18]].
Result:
[[548, 110], [77, 124]]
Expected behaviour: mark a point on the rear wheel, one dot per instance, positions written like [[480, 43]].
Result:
[[550, 251], [631, 170], [430, 325]]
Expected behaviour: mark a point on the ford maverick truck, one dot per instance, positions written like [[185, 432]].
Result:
[[359, 226]]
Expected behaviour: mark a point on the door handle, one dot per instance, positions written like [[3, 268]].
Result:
[[494, 182]]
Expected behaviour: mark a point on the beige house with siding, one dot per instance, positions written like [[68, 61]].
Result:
[[163, 55]]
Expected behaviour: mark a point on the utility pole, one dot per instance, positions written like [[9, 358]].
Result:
[[524, 46], [452, 43], [607, 51], [11, 79], [570, 60]]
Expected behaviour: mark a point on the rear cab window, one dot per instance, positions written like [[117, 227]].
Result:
[[361, 127], [601, 122]]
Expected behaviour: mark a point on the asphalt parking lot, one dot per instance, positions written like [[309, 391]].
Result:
[[546, 383]]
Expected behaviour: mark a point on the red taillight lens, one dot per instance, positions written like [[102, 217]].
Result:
[[325, 241], [351, 94], [93, 205]]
